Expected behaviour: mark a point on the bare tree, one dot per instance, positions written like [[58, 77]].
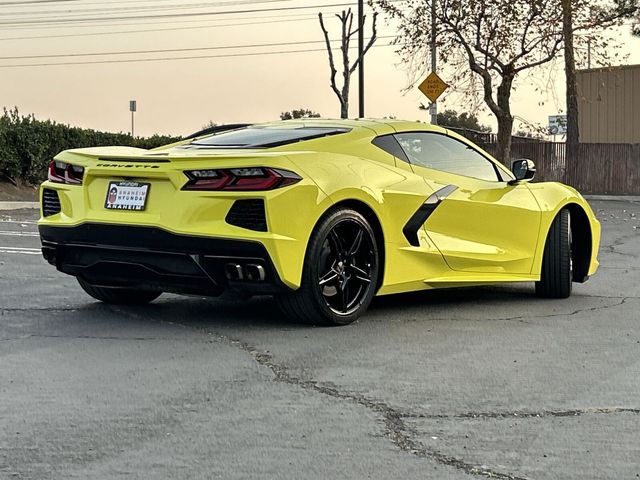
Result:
[[347, 32], [487, 42], [573, 135]]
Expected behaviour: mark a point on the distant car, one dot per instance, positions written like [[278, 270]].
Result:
[[322, 214]]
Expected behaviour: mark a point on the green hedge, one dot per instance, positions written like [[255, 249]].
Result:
[[27, 145]]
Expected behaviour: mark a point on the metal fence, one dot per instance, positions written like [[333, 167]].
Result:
[[600, 168]]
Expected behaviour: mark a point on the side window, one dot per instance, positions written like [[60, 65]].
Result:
[[433, 150], [389, 144]]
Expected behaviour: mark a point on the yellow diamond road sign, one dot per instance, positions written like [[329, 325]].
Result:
[[433, 86]]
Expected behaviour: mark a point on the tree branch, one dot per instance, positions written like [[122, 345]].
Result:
[[372, 40], [332, 65]]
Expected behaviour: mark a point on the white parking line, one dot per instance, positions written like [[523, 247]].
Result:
[[22, 222], [21, 250], [19, 234]]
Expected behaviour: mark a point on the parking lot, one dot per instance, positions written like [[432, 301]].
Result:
[[470, 383]]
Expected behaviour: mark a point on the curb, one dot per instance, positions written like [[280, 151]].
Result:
[[614, 198], [19, 205]]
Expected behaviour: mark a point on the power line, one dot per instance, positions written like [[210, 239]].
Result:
[[168, 50], [36, 2], [141, 8], [159, 29], [173, 15], [162, 59], [158, 22]]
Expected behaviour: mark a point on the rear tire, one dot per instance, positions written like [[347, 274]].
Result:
[[557, 265], [340, 272], [119, 296]]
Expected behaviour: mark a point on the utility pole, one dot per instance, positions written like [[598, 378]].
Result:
[[433, 108], [132, 108], [361, 57]]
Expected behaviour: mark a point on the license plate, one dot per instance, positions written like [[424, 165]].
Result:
[[127, 196]]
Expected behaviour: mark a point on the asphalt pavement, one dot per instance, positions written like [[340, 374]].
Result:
[[459, 384]]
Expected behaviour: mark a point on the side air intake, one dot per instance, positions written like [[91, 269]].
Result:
[[50, 202], [248, 214]]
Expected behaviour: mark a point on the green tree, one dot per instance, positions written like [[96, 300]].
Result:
[[299, 113], [453, 119]]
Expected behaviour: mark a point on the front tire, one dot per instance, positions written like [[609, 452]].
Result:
[[556, 276], [119, 296], [340, 272]]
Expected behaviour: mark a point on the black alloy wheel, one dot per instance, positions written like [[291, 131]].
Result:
[[345, 266], [340, 274]]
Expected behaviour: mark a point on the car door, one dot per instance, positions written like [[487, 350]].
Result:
[[478, 221]]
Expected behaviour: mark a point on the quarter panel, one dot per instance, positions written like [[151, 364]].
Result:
[[291, 211], [393, 195]]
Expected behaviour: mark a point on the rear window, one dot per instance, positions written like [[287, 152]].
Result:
[[264, 137]]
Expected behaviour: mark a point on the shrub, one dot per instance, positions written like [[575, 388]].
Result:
[[27, 145]]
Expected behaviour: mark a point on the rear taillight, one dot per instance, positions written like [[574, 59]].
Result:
[[240, 179], [61, 172]]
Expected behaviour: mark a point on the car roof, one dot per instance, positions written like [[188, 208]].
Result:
[[379, 126]]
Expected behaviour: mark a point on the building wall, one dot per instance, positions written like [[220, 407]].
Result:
[[609, 104]]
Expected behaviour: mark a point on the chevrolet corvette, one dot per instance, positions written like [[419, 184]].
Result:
[[321, 214]]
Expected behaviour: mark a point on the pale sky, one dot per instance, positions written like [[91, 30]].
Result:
[[180, 96]]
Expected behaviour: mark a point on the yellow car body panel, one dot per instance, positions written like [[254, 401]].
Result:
[[483, 232], [553, 197]]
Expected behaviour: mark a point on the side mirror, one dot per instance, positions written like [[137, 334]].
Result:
[[524, 170]]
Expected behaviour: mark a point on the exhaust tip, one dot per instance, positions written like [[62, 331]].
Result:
[[233, 272], [255, 272]]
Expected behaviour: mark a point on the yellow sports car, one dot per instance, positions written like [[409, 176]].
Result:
[[322, 214]]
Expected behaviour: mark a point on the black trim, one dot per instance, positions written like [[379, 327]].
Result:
[[249, 214], [153, 258], [418, 219], [217, 129], [390, 144], [129, 160], [50, 202], [529, 173]]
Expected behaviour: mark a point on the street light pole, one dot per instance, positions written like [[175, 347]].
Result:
[[434, 106], [361, 57]]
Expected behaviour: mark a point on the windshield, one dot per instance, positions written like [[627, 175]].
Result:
[[263, 137]]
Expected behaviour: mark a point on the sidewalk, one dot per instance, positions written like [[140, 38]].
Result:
[[19, 205], [614, 198]]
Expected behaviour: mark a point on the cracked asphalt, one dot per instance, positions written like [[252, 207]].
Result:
[[487, 382]]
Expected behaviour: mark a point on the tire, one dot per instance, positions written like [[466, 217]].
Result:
[[556, 276], [119, 296], [340, 273]]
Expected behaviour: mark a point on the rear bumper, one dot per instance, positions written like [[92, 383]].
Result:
[[156, 259]]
